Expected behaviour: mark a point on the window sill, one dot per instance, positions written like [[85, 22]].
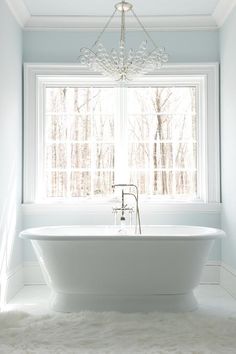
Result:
[[99, 207]]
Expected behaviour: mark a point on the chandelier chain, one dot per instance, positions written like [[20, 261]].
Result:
[[104, 29], [144, 29], [122, 32]]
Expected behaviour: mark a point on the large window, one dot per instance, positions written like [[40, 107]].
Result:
[[90, 133]]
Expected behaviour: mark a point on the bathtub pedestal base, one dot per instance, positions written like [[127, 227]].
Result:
[[123, 303]]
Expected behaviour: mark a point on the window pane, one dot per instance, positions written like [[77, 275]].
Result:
[[103, 101], [105, 156], [103, 182], [162, 155], [56, 184], [80, 156], [56, 156], [80, 127], [104, 127], [163, 183], [83, 100], [139, 127], [141, 179], [80, 184], [186, 183], [161, 127], [139, 155], [185, 127], [56, 100], [56, 127], [186, 156]]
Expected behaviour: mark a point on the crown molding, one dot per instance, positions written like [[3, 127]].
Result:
[[96, 23], [223, 10], [19, 11]]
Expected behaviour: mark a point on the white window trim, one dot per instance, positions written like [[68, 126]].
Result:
[[208, 73]]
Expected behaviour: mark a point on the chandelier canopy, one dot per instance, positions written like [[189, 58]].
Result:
[[124, 63]]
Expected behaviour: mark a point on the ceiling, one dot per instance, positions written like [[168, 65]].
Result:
[[86, 15], [105, 7]]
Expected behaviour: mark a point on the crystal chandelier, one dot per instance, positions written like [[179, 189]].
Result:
[[123, 64]]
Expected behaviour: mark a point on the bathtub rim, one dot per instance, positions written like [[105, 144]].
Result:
[[30, 234]]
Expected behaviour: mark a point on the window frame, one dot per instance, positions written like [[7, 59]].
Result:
[[206, 76]]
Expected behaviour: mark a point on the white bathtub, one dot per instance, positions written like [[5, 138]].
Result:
[[96, 268]]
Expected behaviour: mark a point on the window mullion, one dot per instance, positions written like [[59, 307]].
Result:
[[93, 149], [121, 136], [125, 134], [174, 155], [201, 134], [150, 147], [40, 143]]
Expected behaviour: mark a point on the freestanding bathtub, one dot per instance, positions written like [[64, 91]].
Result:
[[96, 268]]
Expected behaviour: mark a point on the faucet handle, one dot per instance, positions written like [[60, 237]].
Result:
[[115, 210]]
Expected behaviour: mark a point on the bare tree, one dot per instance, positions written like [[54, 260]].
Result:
[[159, 102]]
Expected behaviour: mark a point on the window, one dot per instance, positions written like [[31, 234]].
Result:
[[90, 132]]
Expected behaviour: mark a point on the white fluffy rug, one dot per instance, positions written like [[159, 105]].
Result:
[[103, 333]]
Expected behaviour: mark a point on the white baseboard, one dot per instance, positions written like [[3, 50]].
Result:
[[33, 274], [228, 279], [14, 282], [211, 273]]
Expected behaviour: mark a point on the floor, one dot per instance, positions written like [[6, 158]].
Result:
[[212, 299], [209, 330]]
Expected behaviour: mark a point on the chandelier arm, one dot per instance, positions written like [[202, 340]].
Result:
[[150, 53], [104, 29], [99, 63], [95, 55], [137, 66], [143, 28]]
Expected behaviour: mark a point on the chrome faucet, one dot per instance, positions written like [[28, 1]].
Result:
[[124, 207]]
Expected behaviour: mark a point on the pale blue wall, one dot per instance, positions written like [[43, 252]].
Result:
[[228, 136], [59, 46], [10, 137]]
